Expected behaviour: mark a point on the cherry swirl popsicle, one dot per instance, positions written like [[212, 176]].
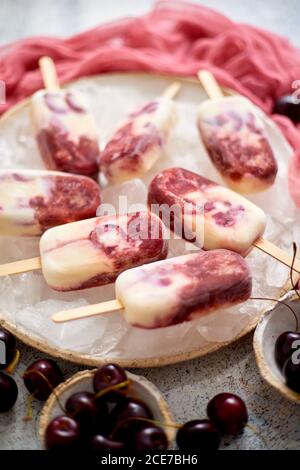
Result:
[[175, 290], [220, 217], [139, 142], [94, 252], [65, 130], [211, 215], [235, 139], [32, 201]]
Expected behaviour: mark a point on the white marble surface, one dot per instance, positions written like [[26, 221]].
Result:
[[187, 386]]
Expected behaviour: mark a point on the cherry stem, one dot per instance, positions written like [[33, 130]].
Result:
[[15, 361], [100, 394], [30, 371], [258, 432], [280, 302], [29, 412], [145, 420]]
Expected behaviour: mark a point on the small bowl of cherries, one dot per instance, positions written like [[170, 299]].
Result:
[[106, 409], [277, 346]]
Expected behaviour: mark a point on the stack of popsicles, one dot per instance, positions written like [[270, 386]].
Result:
[[131, 248]]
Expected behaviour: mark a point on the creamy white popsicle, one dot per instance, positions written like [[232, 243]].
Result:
[[139, 142], [32, 201], [65, 131], [94, 252], [235, 139], [183, 288], [217, 216]]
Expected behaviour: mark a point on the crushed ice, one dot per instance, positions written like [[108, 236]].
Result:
[[26, 299]]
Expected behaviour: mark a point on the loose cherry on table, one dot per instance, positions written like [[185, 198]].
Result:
[[228, 412], [41, 377], [199, 434]]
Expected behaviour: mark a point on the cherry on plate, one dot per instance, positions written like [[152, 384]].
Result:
[[8, 392], [62, 433], [228, 413], [41, 377], [198, 434]]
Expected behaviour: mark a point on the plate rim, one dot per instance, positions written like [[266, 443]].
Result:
[[95, 361]]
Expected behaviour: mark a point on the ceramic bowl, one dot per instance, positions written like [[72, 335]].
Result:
[[273, 322], [83, 381]]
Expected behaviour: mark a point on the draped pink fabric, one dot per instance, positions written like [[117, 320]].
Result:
[[178, 38]]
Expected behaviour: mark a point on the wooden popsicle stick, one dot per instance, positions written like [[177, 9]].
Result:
[[48, 71], [87, 311], [22, 266], [210, 84], [172, 90], [270, 249]]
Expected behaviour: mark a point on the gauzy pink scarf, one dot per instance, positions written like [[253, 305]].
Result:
[[178, 38]]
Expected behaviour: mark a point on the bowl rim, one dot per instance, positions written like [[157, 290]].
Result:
[[262, 364], [68, 384], [34, 341]]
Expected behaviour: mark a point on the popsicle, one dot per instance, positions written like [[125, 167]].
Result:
[[175, 290], [94, 252], [235, 139], [31, 201], [215, 216], [65, 130], [139, 142]]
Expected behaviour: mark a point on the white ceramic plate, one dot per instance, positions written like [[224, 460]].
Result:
[[26, 303]]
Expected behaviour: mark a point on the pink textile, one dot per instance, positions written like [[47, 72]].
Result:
[[178, 38]]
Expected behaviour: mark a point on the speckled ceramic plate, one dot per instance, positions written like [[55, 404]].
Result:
[[26, 303]]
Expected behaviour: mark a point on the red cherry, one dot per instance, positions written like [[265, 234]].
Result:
[[228, 412], [108, 376], [199, 434], [62, 433], [41, 377]]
